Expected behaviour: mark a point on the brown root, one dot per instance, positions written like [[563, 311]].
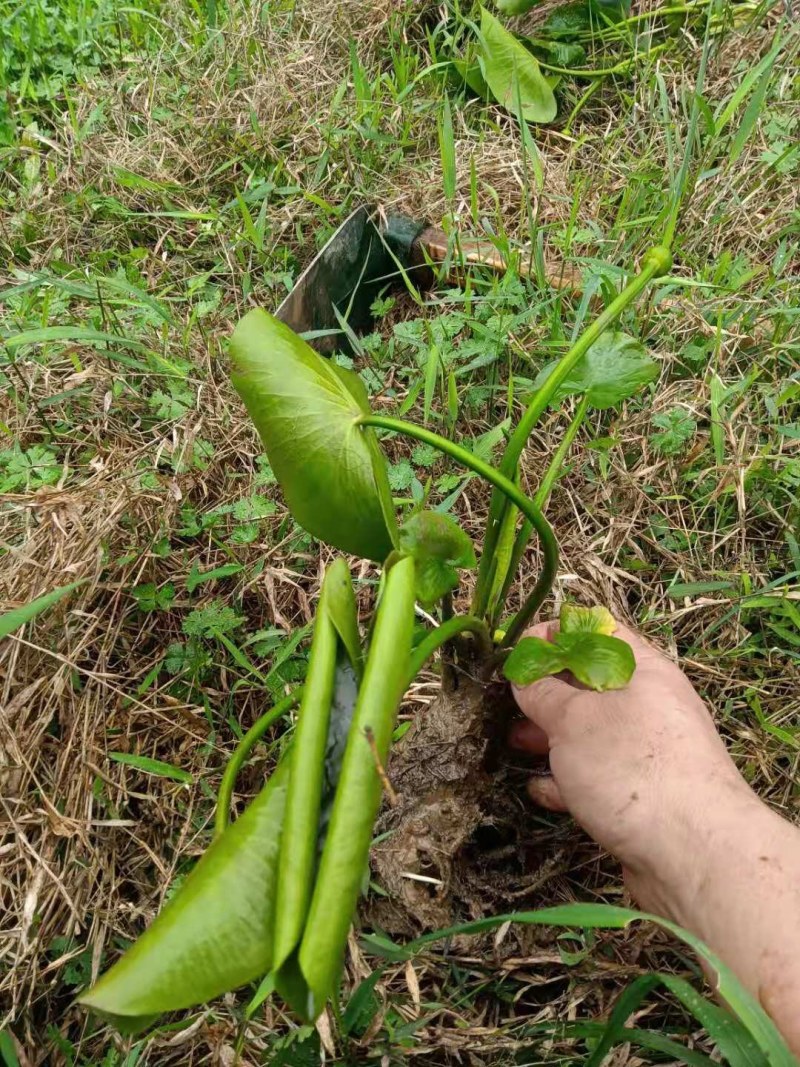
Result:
[[457, 845]]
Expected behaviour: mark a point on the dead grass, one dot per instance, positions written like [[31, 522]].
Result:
[[90, 847]]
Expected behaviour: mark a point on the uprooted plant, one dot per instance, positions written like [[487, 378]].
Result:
[[276, 892]]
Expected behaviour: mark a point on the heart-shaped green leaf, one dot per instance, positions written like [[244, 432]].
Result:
[[439, 548], [594, 659], [513, 73], [215, 934], [577, 620], [305, 409], [615, 367]]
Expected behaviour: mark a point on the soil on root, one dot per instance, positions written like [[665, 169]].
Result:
[[459, 842]]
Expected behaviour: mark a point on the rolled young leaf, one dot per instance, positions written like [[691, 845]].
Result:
[[333, 475], [358, 795], [298, 852], [216, 933]]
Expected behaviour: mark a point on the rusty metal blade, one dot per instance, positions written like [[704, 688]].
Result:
[[348, 273]]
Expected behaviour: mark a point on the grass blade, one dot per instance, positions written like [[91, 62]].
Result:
[[152, 766], [17, 617], [608, 917], [431, 377], [447, 149]]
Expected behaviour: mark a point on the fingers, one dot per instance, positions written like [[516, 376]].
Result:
[[528, 737], [544, 792]]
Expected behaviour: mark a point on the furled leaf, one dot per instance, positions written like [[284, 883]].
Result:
[[298, 853], [358, 796], [615, 367], [597, 620], [340, 604], [216, 932], [306, 410], [533, 658], [598, 661], [513, 73], [17, 617], [439, 547]]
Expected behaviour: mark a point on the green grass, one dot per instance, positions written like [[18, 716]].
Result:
[[166, 167]]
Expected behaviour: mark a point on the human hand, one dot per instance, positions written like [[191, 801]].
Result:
[[644, 771], [638, 767]]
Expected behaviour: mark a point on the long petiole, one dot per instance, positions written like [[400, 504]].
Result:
[[603, 72], [657, 261], [446, 632], [552, 474], [502, 484], [242, 751]]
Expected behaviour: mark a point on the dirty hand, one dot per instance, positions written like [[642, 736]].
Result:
[[627, 764], [644, 771]]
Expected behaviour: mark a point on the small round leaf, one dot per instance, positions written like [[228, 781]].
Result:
[[614, 368], [533, 658]]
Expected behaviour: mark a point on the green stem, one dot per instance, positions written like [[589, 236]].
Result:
[[523, 616], [657, 261], [658, 12], [602, 72], [242, 751], [581, 104], [446, 632], [503, 485], [553, 472]]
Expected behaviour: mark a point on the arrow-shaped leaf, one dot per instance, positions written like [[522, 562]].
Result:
[[306, 410], [215, 934]]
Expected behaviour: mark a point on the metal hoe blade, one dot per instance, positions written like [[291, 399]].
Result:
[[347, 274]]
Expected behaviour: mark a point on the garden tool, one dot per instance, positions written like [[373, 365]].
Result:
[[370, 253]]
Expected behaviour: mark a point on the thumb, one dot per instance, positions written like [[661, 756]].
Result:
[[543, 702]]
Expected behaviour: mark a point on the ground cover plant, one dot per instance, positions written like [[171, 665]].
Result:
[[155, 203]]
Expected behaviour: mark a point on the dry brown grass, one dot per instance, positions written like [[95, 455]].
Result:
[[89, 848]]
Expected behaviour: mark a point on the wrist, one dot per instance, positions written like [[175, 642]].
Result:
[[695, 837]]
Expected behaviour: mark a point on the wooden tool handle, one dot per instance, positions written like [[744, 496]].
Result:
[[433, 245]]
